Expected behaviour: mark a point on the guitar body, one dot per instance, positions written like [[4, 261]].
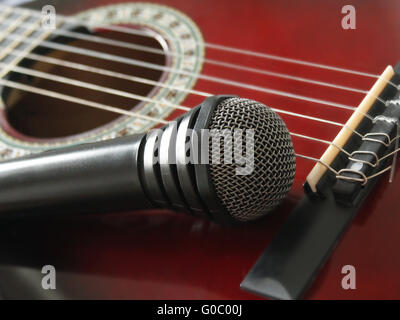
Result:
[[162, 254]]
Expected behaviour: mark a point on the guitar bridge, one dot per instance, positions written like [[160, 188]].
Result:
[[364, 147], [335, 190], [372, 157]]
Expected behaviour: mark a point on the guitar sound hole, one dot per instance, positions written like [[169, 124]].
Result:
[[40, 116]]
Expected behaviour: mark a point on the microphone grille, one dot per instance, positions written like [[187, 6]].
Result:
[[247, 197]]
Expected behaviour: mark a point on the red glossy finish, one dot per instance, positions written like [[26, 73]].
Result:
[[167, 255]]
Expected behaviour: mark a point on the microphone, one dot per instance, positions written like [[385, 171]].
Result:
[[179, 166]]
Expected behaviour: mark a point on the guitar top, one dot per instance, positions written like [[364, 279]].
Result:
[[293, 56]]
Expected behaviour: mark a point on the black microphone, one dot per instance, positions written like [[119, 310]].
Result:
[[179, 166]]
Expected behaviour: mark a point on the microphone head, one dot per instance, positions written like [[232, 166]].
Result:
[[228, 159], [262, 188]]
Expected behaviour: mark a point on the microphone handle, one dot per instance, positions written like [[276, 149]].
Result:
[[160, 168], [98, 176]]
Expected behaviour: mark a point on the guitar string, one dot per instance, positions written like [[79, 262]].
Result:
[[87, 85], [382, 171], [147, 33], [87, 68], [99, 88], [135, 62], [108, 90], [379, 99], [297, 135], [78, 66], [105, 72], [65, 63], [4, 16], [243, 68], [57, 95], [113, 109], [132, 46], [310, 64], [111, 91], [137, 97], [126, 94], [101, 106], [215, 79], [275, 91], [338, 176]]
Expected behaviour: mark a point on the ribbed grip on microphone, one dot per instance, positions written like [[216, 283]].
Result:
[[179, 177]]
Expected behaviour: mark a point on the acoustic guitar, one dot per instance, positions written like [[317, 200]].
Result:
[[74, 72]]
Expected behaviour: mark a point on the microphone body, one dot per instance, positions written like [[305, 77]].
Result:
[[164, 168], [140, 171]]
